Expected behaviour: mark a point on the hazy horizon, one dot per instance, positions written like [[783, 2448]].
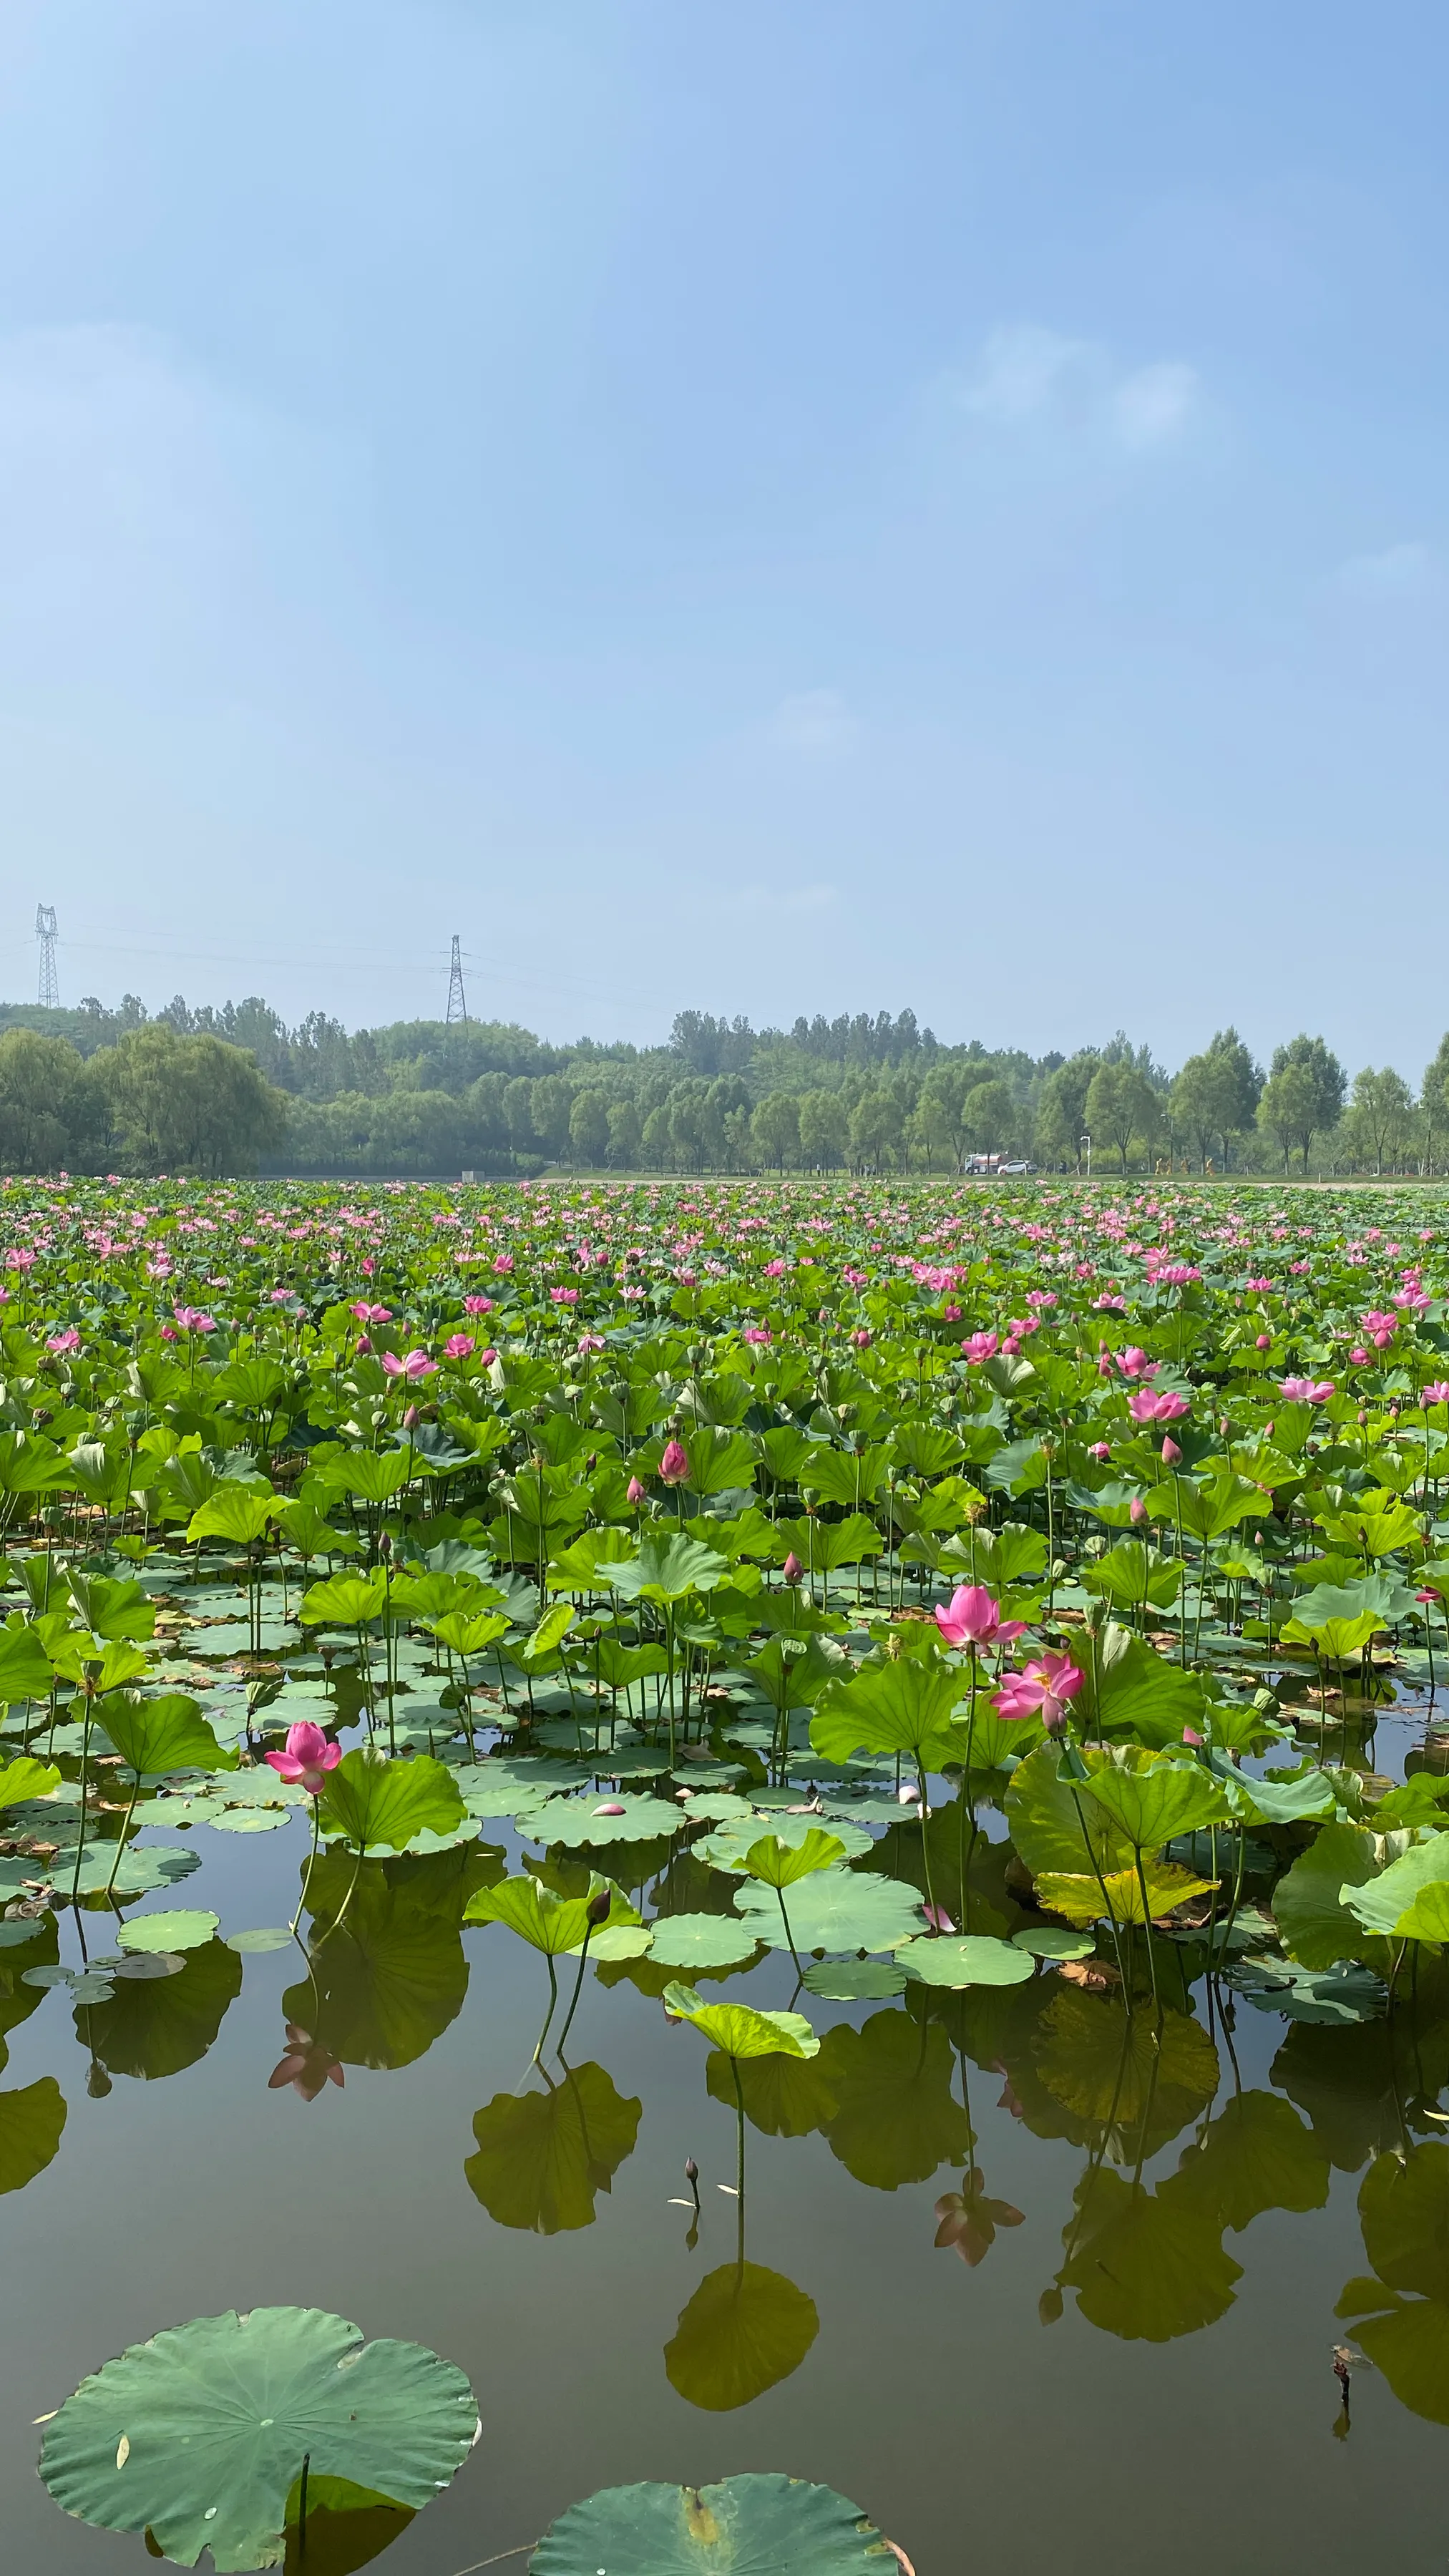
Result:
[[813, 510]]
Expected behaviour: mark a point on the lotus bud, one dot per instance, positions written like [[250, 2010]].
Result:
[[1049, 2306], [691, 2170], [674, 1465], [591, 1462], [635, 1494], [793, 1568], [599, 1907], [1170, 1451], [1138, 1508], [1264, 1342], [384, 1548], [411, 1418]]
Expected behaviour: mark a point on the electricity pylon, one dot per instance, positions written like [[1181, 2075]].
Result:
[[46, 936], [457, 1000]]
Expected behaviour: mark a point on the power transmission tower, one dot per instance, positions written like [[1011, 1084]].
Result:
[[457, 999], [47, 935]]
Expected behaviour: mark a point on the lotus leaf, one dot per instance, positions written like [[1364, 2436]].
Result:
[[739, 2031], [372, 1800], [199, 2435], [966, 1960], [747, 2526], [836, 1909], [30, 2125]]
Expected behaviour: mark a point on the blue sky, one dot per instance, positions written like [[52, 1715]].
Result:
[[806, 505]]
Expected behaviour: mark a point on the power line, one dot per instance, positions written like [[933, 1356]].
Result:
[[457, 1015], [46, 934]]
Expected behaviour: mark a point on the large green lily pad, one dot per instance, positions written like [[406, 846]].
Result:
[[747, 2526], [967, 1960], [701, 1941], [837, 1909], [578, 1824], [199, 2435]]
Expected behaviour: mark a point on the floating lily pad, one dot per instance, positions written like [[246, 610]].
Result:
[[727, 1846], [174, 1930], [1053, 1941], [577, 1824], [837, 1909], [199, 2435], [750, 2526], [700, 1941], [853, 1981], [270, 1936], [140, 1869], [968, 1959]]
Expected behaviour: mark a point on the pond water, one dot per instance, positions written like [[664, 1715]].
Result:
[[1141, 2368]]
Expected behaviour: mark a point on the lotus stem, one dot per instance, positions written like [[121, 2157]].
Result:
[[578, 1990], [552, 2005]]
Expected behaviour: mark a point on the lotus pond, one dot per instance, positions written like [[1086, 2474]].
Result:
[[741, 1835]]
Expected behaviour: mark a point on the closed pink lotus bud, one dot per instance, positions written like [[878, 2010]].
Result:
[[1265, 1342], [599, 1908], [793, 1568], [411, 1418], [674, 1465], [1170, 1451], [1138, 1508], [636, 1494], [861, 1339]]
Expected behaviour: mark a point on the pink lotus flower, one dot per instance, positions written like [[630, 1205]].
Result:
[[1101, 1451], [503, 1261], [1148, 1405], [1438, 1393], [1358, 1356], [973, 1618], [416, 1365], [1137, 1509], [308, 1756], [674, 1465], [1134, 1363], [1042, 1688], [477, 1305], [69, 1340], [1307, 1390], [980, 1346], [459, 1346], [307, 2065], [635, 1494], [938, 1918], [590, 1342], [861, 1339], [1171, 1454], [194, 1319], [792, 1568], [370, 1314], [1264, 1342], [758, 1334]]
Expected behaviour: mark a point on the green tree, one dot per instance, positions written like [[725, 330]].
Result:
[[1061, 1117], [626, 1135], [48, 1103], [876, 1127], [775, 1129], [1381, 1115], [1215, 1096], [989, 1115], [1303, 1095], [189, 1104], [824, 1129], [1122, 1106], [589, 1127]]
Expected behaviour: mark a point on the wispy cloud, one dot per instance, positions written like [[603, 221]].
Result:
[[1028, 375], [814, 720], [1403, 571]]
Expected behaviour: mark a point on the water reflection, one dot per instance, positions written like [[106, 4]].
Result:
[[744, 2330], [543, 2158], [387, 1978], [1402, 2312], [154, 2026]]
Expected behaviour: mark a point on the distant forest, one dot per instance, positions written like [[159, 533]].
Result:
[[234, 1088]]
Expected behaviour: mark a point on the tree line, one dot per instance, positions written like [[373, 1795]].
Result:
[[233, 1089]]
